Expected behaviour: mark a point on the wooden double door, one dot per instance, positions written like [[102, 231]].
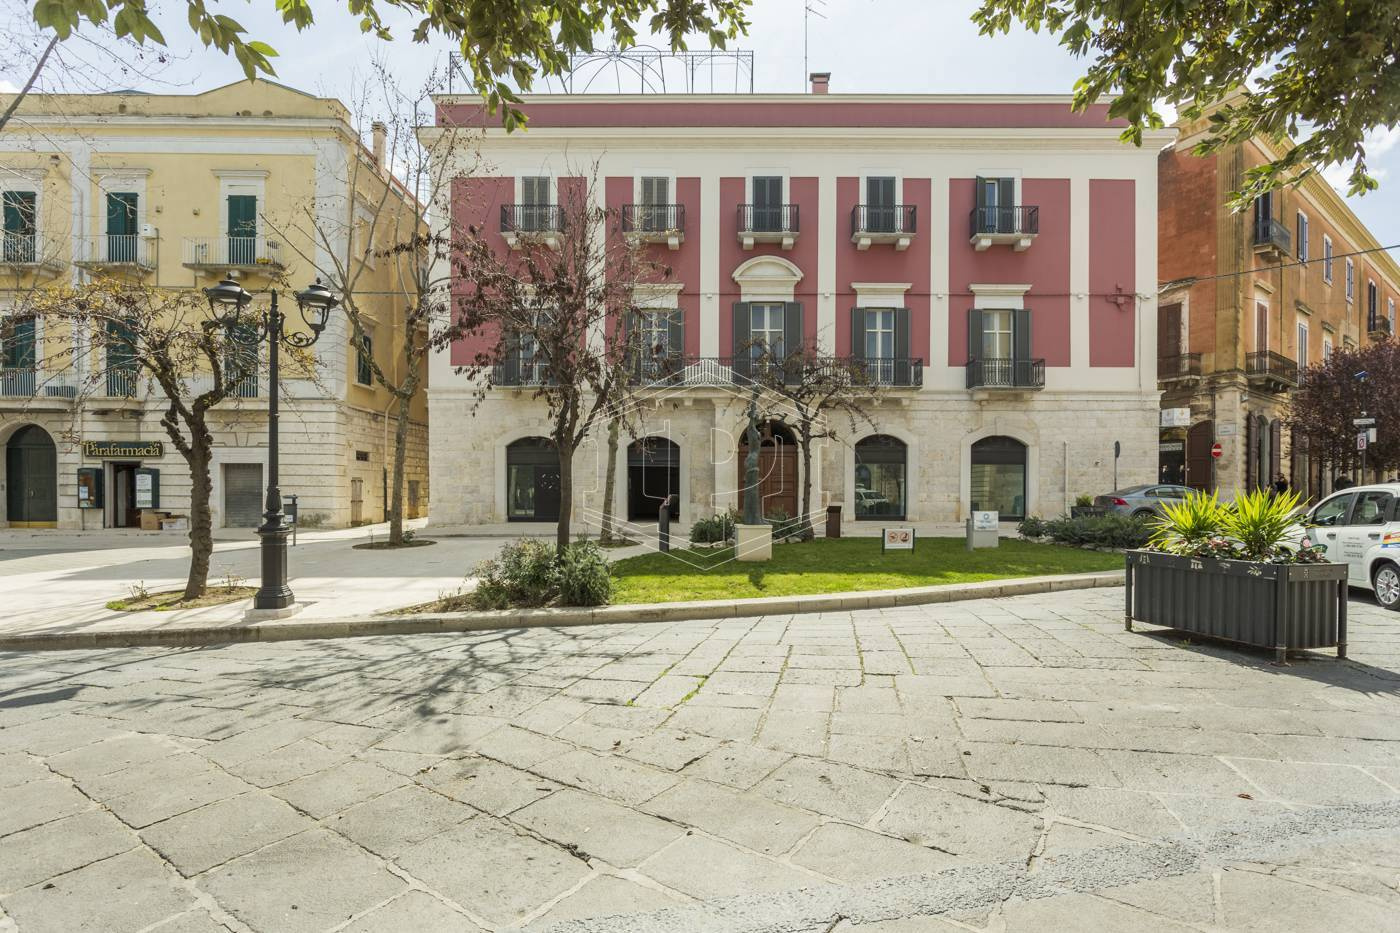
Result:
[[777, 472]]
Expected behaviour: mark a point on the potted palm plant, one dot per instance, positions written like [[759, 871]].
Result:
[[1242, 572]]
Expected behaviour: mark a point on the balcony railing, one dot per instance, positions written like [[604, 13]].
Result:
[[1272, 234], [531, 218], [117, 249], [1015, 221], [27, 382], [19, 248], [760, 218], [1376, 325], [886, 219], [121, 382], [1005, 373], [702, 371], [1270, 367], [653, 218], [231, 252], [1179, 366]]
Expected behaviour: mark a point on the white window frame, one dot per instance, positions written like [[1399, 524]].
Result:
[[1301, 223], [31, 181], [1327, 259], [1326, 348], [552, 185], [1373, 288], [667, 174], [1302, 348], [242, 181], [1351, 281], [757, 348]]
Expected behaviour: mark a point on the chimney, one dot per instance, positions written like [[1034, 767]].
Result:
[[377, 132], [820, 80]]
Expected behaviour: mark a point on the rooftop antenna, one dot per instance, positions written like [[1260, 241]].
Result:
[[809, 9]]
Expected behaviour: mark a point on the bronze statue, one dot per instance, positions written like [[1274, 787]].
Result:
[[753, 505]]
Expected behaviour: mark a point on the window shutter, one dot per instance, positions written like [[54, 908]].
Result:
[[857, 333], [510, 364], [1275, 450], [974, 334], [675, 334], [792, 328], [902, 363], [1021, 345], [981, 191], [1251, 455], [116, 215], [739, 349]]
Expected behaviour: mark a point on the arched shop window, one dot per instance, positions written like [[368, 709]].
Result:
[[998, 477], [532, 480], [881, 478], [653, 473]]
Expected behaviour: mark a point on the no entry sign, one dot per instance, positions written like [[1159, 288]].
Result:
[[1216, 450]]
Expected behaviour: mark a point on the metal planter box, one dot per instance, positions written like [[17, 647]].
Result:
[[1279, 606]]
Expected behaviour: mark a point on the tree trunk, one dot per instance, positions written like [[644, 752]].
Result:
[[605, 537], [805, 531], [566, 497], [201, 522], [396, 482]]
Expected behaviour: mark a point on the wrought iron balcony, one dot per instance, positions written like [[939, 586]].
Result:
[[27, 252], [540, 223], [1272, 235], [1005, 373], [121, 382], [1179, 366], [1270, 369], [213, 253], [879, 223], [117, 250], [655, 223], [28, 382], [765, 223], [675, 370], [1016, 225], [1377, 326]]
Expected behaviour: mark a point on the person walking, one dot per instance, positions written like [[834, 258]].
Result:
[[1280, 485]]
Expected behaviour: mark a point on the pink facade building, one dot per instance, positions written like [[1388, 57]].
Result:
[[991, 259]]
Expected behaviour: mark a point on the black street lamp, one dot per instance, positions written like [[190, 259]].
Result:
[[227, 302]]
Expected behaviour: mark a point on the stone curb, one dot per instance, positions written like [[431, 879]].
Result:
[[421, 623]]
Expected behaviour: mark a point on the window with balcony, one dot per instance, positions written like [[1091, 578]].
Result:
[[655, 217], [20, 226], [121, 227], [880, 204], [18, 356], [999, 350], [880, 340], [997, 218], [364, 357], [1270, 233], [767, 204], [242, 229], [1302, 237], [1374, 321], [659, 344], [241, 361], [1327, 259], [121, 360], [656, 198]]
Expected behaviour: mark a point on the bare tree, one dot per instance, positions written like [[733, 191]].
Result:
[[116, 330], [551, 319], [815, 391], [380, 252]]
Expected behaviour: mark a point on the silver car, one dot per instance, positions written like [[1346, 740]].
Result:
[[1142, 501]]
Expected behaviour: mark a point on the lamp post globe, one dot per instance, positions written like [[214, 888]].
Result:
[[226, 300]]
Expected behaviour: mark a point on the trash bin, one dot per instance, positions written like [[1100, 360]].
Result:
[[833, 521]]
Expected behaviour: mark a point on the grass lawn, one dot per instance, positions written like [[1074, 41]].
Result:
[[836, 565]]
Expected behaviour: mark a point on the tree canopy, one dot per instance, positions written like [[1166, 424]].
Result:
[[1331, 393], [505, 43], [1324, 72]]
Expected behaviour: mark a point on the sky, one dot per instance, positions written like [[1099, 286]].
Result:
[[900, 46]]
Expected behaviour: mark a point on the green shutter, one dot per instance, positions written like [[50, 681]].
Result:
[[17, 343], [903, 374], [242, 215], [121, 213], [742, 332], [974, 334], [857, 333]]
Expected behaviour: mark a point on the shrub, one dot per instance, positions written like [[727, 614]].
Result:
[[784, 525], [713, 530], [1031, 527], [1255, 527], [585, 576], [1110, 530], [523, 574], [1083, 500]]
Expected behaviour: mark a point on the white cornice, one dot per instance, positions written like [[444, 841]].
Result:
[[998, 289]]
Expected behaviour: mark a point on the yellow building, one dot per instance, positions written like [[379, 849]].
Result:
[[254, 181]]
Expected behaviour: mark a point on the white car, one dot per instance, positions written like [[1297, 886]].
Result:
[[1360, 527]]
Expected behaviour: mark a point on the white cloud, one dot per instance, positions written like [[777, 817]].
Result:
[[8, 87]]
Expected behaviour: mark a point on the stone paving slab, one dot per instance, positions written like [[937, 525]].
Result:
[[1032, 767]]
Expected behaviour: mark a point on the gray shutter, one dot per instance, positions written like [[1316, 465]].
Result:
[[1251, 454], [974, 334], [739, 349], [1006, 220], [675, 334], [1276, 451], [510, 363], [902, 363], [1021, 346], [981, 191], [857, 333], [792, 341]]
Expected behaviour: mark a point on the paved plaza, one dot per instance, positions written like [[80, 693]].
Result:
[[1020, 764]]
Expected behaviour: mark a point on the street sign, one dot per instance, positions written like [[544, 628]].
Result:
[[1364, 422], [897, 539], [1216, 450], [1361, 441]]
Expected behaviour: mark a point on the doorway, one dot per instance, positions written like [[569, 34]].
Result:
[[123, 510], [653, 473], [777, 469], [998, 477], [31, 479]]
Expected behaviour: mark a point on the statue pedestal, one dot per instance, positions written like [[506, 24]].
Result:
[[753, 542]]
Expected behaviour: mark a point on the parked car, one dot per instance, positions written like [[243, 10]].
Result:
[[1141, 501], [1360, 527], [869, 498]]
